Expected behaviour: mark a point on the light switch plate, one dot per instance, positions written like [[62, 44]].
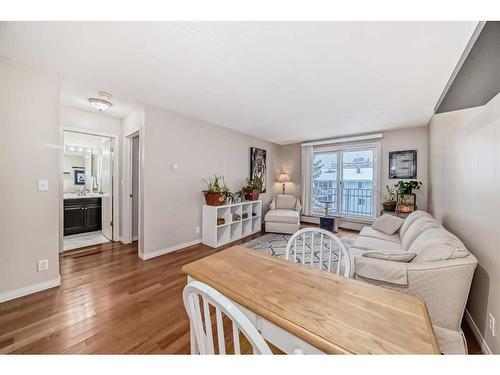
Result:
[[43, 185], [175, 167], [43, 265]]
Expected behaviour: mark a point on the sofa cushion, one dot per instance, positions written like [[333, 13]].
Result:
[[370, 232], [285, 201], [282, 216], [437, 244], [388, 224], [401, 256], [410, 219], [369, 243], [419, 226]]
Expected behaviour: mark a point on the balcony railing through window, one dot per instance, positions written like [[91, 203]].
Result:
[[355, 201]]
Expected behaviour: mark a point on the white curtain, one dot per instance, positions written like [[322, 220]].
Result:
[[306, 183]]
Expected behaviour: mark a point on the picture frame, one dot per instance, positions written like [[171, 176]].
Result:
[[403, 164], [258, 165], [79, 177]]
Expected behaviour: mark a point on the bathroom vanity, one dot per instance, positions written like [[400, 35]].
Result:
[[82, 214]]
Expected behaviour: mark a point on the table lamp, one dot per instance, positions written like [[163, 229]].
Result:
[[284, 178]]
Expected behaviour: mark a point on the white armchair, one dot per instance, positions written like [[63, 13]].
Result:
[[283, 215]]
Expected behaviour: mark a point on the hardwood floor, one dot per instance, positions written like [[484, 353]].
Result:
[[110, 301]]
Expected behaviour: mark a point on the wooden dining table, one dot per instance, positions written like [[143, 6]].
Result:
[[303, 310]]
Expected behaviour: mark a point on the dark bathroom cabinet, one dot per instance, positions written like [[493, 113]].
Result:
[[82, 215]]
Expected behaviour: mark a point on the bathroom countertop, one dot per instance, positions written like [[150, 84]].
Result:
[[88, 195]]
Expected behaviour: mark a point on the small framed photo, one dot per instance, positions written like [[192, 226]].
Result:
[[403, 164], [79, 177]]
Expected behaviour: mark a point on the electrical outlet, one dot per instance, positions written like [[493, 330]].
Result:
[[197, 229], [43, 265], [491, 324]]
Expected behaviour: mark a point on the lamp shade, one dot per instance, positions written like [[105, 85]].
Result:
[[284, 178]]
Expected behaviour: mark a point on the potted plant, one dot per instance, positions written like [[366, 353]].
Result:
[[253, 188], [217, 191], [406, 187], [406, 198], [389, 204]]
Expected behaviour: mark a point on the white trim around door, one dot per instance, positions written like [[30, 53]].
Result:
[[127, 236]]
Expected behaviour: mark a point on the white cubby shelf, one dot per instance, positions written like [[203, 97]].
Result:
[[248, 215]]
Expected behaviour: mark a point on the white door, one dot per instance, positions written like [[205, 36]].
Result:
[[107, 187]]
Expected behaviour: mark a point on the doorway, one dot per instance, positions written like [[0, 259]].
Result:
[[88, 195], [131, 203], [135, 188]]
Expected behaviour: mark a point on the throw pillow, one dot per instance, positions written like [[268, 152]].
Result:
[[388, 224]]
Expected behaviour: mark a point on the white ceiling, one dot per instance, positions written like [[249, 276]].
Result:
[[281, 81]]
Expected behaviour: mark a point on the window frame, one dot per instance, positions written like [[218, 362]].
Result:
[[339, 149]]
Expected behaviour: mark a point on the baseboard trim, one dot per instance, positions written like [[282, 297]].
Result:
[[477, 334], [21, 292], [157, 253]]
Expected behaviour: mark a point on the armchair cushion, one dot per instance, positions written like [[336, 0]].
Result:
[[287, 202], [282, 216], [388, 224]]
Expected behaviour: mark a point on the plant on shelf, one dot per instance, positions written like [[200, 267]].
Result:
[[253, 188], [406, 198], [217, 190], [406, 187], [389, 203]]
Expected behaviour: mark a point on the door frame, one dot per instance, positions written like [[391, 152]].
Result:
[[377, 159], [115, 179], [127, 189]]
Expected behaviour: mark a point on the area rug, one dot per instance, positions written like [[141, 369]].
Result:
[[275, 244]]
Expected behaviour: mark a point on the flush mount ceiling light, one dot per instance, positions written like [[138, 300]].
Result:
[[102, 102]]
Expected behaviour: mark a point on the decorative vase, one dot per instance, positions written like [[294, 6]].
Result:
[[252, 194], [214, 198]]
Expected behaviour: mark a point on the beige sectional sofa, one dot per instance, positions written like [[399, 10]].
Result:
[[440, 272]]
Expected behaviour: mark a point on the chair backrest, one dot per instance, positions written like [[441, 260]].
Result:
[[320, 249], [198, 297]]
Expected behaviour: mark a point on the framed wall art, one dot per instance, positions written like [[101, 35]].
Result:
[[258, 166], [403, 164]]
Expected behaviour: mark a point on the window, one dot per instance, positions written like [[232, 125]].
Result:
[[344, 180]]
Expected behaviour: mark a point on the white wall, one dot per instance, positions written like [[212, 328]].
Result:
[[29, 151], [394, 140], [464, 195], [172, 200], [90, 121]]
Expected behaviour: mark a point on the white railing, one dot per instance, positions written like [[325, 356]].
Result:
[[356, 202]]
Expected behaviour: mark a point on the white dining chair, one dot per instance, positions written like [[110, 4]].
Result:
[[320, 249], [202, 340]]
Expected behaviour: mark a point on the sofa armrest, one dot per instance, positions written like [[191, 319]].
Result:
[[442, 285]]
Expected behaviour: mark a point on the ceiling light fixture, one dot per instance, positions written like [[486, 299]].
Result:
[[102, 102]]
